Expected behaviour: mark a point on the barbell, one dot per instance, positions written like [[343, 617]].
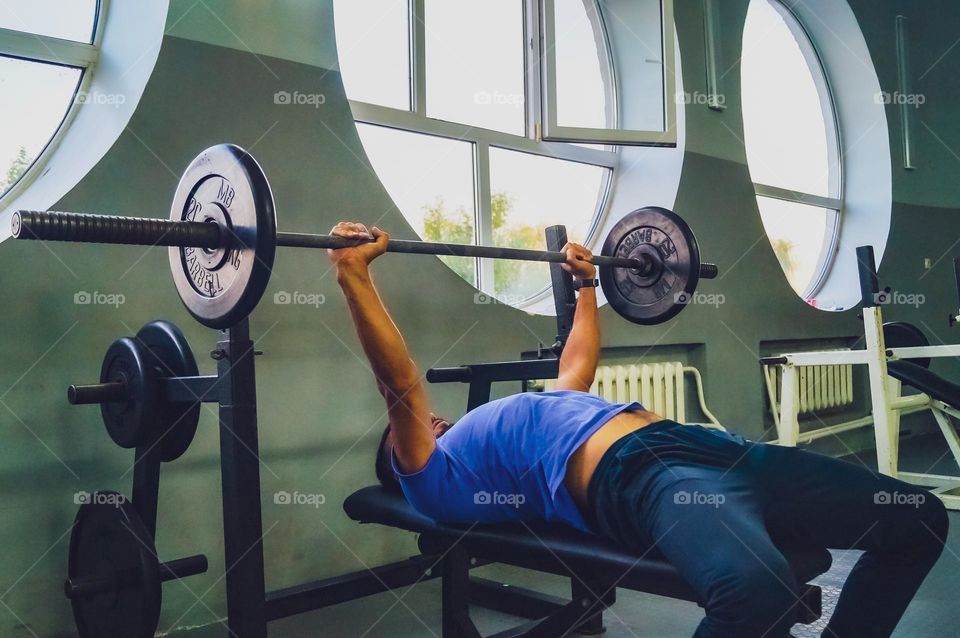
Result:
[[222, 238]]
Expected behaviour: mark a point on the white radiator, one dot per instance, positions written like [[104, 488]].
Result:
[[819, 387], [658, 386]]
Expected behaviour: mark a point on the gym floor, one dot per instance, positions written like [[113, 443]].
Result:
[[416, 611]]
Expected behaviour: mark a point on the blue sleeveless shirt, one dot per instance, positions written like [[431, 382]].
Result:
[[506, 460]]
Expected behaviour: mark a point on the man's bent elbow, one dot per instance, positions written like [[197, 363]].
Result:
[[399, 389]]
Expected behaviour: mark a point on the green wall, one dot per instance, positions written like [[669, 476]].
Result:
[[319, 411]]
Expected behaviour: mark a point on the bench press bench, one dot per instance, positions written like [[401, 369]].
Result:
[[595, 566]]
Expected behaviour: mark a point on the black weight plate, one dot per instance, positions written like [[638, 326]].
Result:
[[169, 353], [109, 540], [129, 423], [661, 293], [224, 184]]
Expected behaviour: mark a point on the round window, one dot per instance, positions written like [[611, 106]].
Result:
[[443, 111], [792, 144]]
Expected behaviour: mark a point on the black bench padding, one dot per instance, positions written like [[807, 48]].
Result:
[[926, 381], [552, 548]]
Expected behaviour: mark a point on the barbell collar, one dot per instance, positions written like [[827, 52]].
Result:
[[110, 392]]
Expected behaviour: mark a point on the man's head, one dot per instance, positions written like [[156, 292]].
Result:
[[384, 464]]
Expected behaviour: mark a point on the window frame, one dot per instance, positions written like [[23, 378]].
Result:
[[415, 120], [614, 135], [44, 49], [833, 203]]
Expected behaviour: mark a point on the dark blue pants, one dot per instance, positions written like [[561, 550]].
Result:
[[719, 508]]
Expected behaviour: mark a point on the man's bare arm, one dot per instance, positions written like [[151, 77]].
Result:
[[397, 376], [578, 363]]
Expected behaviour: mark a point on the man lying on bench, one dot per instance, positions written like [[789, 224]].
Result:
[[717, 506]]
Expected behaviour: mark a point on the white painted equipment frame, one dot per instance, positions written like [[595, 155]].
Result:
[[886, 400]]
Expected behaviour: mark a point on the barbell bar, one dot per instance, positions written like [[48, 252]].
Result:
[[173, 570], [222, 238], [142, 231]]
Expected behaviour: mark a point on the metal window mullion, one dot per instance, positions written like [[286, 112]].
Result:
[[548, 67], [905, 85], [103, 10], [787, 195], [407, 121], [418, 58], [669, 70], [531, 70], [40, 48], [828, 252], [711, 44], [484, 215]]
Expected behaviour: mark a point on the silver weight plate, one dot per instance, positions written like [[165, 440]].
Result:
[[221, 286]]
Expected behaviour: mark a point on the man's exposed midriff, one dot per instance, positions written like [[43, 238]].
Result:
[[585, 459]]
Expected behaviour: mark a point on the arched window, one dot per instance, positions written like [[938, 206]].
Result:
[[792, 144], [446, 95], [46, 46]]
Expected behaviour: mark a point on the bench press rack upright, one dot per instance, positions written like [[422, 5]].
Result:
[[888, 368]]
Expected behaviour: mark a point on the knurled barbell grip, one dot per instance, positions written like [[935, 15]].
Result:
[[110, 392], [175, 569], [109, 229]]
